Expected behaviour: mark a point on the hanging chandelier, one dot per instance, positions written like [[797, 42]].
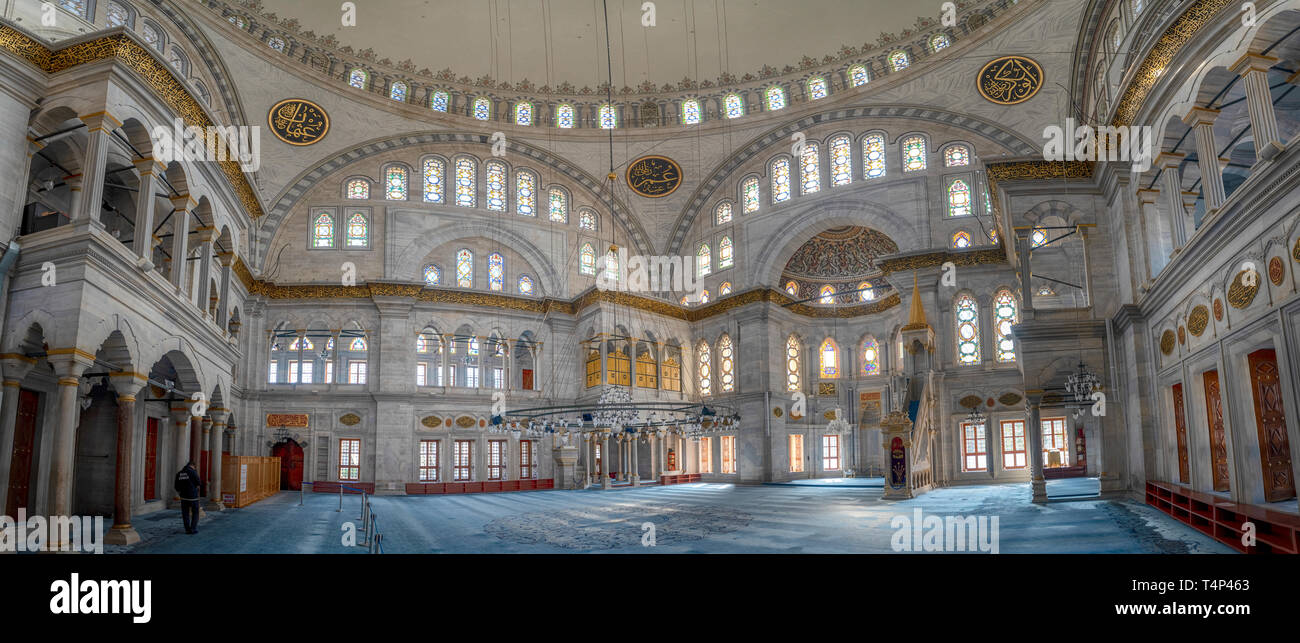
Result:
[[977, 417], [615, 411], [1082, 383]]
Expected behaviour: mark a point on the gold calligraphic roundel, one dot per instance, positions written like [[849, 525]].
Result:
[[1276, 273], [1198, 320], [654, 176], [298, 122], [1243, 288], [1167, 342], [1010, 80]]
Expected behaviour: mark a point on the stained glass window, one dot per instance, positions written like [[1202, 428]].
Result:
[[1004, 316], [1046, 291], [608, 119], [465, 269], [494, 185], [421, 344], [358, 231], [817, 87], [564, 116], [841, 156], [276, 43], [79, 7], [432, 275], [179, 61], [956, 155], [968, 336], [357, 345], [722, 214], [611, 265], [733, 106], [690, 111], [726, 253], [826, 295], [1038, 237], [117, 15], [466, 169], [397, 91], [913, 154], [434, 180], [870, 356], [151, 36], [438, 101], [958, 198], [496, 272], [587, 260], [525, 285], [558, 206], [726, 365], [482, 108], [703, 261], [899, 60], [775, 98], [526, 194], [523, 113], [238, 21], [749, 193], [961, 240], [705, 368], [810, 174], [993, 235], [724, 289], [587, 220], [866, 292], [939, 42], [792, 288], [358, 78], [858, 75], [829, 356], [704, 296], [780, 180], [472, 349], [322, 231], [873, 156], [793, 359], [358, 189], [395, 181]]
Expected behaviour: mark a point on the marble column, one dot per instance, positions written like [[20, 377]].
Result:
[[204, 236], [1172, 191], [143, 241], [636, 462], [126, 385], [604, 453], [180, 417], [180, 241], [227, 259], [69, 364], [1201, 120], [1253, 69], [93, 170], [16, 368], [219, 416], [1152, 234], [196, 440], [1034, 435]]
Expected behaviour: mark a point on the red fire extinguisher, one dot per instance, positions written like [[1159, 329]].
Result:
[[1080, 448]]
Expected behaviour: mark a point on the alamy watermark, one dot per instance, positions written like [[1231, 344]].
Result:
[[660, 273], [920, 532], [239, 143], [53, 533], [1077, 142]]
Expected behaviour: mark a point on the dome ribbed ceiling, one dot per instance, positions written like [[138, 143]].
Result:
[[843, 254]]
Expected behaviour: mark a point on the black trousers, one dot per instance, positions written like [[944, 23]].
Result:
[[190, 514]]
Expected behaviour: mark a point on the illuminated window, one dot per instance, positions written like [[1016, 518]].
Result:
[[465, 269], [152, 36], [672, 373], [749, 192], [395, 183], [466, 171], [358, 345], [780, 180], [435, 172], [526, 194], [974, 448], [913, 154], [866, 292], [1054, 443], [526, 459], [705, 297], [496, 272], [993, 235], [956, 155], [564, 116], [796, 453], [463, 461], [608, 119], [1013, 444], [724, 289], [726, 365], [428, 460], [793, 361], [939, 42], [690, 111], [705, 368], [358, 231], [726, 253], [899, 60], [841, 151], [397, 91], [358, 78], [826, 295], [1046, 291], [525, 285], [1038, 237], [79, 7], [559, 206], [961, 240], [438, 101], [817, 87], [587, 260], [873, 156], [179, 61], [523, 113], [1004, 316], [706, 455], [357, 372], [301, 343], [728, 444], [611, 265], [118, 15], [432, 275], [858, 75], [792, 288], [494, 185], [870, 356], [1137, 6], [482, 108], [722, 214], [349, 459], [703, 261], [810, 175], [322, 231], [968, 340], [496, 460], [587, 220], [733, 106], [829, 359], [830, 452], [775, 98]]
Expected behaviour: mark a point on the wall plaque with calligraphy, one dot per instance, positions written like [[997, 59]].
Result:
[[298, 122], [654, 176], [1010, 80], [294, 420]]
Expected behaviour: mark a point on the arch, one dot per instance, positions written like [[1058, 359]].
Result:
[[807, 220], [412, 252]]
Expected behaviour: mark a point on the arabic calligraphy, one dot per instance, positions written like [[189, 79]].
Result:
[[1010, 80], [298, 122], [654, 176]]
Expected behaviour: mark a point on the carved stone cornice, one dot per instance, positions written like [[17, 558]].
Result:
[[934, 259]]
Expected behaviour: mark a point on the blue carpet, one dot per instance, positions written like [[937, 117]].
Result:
[[869, 483]]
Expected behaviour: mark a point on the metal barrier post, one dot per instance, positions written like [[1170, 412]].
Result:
[[300, 488], [363, 507], [340, 509]]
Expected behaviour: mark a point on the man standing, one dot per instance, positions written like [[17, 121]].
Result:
[[187, 487]]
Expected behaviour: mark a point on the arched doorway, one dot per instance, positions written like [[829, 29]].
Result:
[[290, 454]]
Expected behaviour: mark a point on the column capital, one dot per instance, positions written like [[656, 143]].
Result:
[[69, 362], [219, 415], [1167, 160], [1252, 61], [100, 121], [16, 366], [126, 383], [204, 235], [1148, 195], [183, 203], [1033, 398], [1200, 116]]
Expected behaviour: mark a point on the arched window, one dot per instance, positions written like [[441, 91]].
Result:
[[993, 235], [358, 231], [726, 365], [80, 7], [873, 156], [703, 261], [395, 183], [234, 19], [558, 206], [939, 42], [913, 154], [829, 359], [690, 112], [792, 288], [465, 269], [202, 91], [1004, 316], [899, 60], [749, 192], [526, 285], [608, 119], [482, 108], [858, 75], [817, 87], [733, 106], [432, 275], [494, 185], [179, 61], [775, 96], [841, 154], [866, 292], [587, 220], [118, 15], [870, 356], [611, 265], [826, 295], [810, 173], [277, 43], [526, 193], [397, 91], [152, 35], [724, 289], [438, 101], [358, 78], [961, 239], [793, 363], [358, 189], [435, 172], [704, 368], [564, 116], [1137, 7], [956, 155], [780, 180], [466, 173], [968, 333], [421, 343], [523, 113], [496, 272], [722, 214], [726, 253], [358, 344], [322, 231], [704, 296], [587, 260], [958, 198], [1038, 237]]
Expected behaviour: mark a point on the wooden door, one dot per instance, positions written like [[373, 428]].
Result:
[[291, 459], [1218, 443], [527, 379], [1270, 420], [20, 468], [1180, 428], [151, 461]]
